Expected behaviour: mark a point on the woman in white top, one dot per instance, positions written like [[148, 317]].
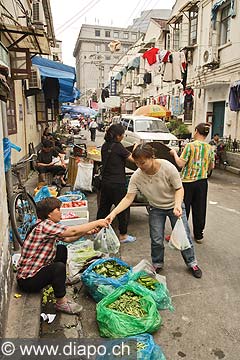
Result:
[[160, 182]]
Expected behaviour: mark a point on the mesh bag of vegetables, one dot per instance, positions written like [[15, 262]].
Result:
[[127, 311], [158, 291], [104, 275], [142, 345]]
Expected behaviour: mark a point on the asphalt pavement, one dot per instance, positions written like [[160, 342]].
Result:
[[205, 323]]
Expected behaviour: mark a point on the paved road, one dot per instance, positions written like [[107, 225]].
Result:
[[205, 324]]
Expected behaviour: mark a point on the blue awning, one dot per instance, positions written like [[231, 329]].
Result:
[[216, 7], [64, 73]]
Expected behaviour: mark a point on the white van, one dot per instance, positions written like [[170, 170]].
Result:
[[141, 129]]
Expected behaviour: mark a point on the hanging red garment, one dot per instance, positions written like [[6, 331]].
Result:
[[150, 55]]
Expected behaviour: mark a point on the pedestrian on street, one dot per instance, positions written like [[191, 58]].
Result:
[[42, 261], [196, 160], [113, 186], [159, 181], [93, 128], [219, 149]]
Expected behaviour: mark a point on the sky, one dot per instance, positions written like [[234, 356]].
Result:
[[69, 15]]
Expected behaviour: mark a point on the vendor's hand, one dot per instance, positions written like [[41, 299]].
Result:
[[93, 231], [102, 223], [177, 211]]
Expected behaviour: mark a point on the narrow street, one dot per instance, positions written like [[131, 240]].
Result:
[[205, 324]]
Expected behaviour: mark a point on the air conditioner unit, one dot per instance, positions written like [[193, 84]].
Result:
[[37, 14], [34, 82], [209, 56]]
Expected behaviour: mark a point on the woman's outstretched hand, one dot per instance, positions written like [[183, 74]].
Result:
[[110, 218]]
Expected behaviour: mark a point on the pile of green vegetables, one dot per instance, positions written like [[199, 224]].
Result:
[[128, 303], [111, 269], [147, 282]]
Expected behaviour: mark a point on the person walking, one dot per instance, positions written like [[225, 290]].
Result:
[[196, 160], [219, 149], [42, 261], [161, 184], [113, 187], [93, 128]]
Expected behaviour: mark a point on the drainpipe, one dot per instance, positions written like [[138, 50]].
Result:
[[8, 174]]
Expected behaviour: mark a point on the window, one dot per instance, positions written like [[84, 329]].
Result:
[[125, 35], [11, 110], [134, 36], [176, 34], [116, 34], [193, 22], [97, 47], [97, 32], [225, 25], [125, 123], [108, 57], [167, 41], [106, 47], [107, 33], [125, 48], [130, 125]]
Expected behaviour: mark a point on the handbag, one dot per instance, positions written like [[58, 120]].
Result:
[[97, 178]]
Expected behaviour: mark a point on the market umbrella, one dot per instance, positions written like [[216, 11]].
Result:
[[84, 110], [162, 151], [153, 110]]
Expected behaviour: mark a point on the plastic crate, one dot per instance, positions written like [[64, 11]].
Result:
[[82, 219], [75, 208]]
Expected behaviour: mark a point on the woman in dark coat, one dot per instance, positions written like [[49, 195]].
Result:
[[113, 187]]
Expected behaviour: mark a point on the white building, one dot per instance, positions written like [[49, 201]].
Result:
[[94, 59]]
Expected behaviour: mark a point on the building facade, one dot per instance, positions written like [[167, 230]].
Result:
[[26, 30], [97, 50]]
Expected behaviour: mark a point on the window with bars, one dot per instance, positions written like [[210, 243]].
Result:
[[97, 47], [107, 33], [176, 34], [11, 109], [193, 23], [225, 24]]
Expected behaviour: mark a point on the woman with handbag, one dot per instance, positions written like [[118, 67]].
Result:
[[113, 184]]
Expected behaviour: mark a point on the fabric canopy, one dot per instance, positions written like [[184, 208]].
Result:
[[153, 110], [134, 63], [78, 109], [118, 76], [64, 73]]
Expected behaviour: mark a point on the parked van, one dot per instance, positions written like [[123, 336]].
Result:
[[141, 129]]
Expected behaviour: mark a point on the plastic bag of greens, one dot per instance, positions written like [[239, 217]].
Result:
[[127, 311], [158, 291], [106, 241], [111, 272], [143, 344]]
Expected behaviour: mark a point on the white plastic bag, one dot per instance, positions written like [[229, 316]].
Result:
[[84, 176], [145, 265], [179, 239], [107, 241]]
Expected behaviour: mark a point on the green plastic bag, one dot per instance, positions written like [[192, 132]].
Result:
[[116, 324], [160, 294]]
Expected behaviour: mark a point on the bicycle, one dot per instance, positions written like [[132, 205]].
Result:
[[22, 208]]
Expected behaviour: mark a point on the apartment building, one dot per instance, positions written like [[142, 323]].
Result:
[[94, 59]]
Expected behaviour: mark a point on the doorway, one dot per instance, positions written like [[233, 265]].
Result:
[[218, 118]]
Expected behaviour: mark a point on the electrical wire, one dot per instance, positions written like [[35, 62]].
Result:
[[72, 21]]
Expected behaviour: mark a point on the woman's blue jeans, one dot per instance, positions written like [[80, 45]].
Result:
[[157, 220]]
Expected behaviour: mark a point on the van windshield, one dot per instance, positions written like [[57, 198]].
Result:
[[155, 125]]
